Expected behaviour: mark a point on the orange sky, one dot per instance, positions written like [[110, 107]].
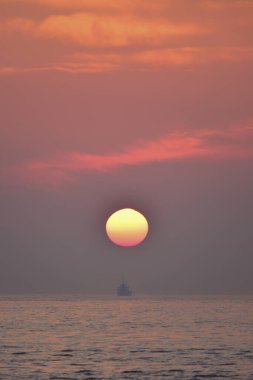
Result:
[[93, 36]]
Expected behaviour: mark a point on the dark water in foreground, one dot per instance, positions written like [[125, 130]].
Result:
[[133, 338]]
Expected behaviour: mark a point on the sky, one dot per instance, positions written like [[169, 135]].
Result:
[[110, 104]]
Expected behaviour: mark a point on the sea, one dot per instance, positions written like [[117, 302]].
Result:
[[78, 337]]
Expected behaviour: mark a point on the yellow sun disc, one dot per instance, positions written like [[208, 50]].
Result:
[[127, 227]]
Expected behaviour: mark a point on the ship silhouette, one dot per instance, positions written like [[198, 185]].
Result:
[[123, 290]]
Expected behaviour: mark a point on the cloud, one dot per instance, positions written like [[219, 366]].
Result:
[[160, 59], [193, 55], [17, 25], [101, 35], [236, 142], [91, 29], [71, 68]]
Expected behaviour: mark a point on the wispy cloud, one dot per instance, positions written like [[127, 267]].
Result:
[[236, 142], [100, 35], [89, 29], [159, 59]]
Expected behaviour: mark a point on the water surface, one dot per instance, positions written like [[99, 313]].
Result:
[[75, 337]]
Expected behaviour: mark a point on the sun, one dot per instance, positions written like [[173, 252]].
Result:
[[127, 227]]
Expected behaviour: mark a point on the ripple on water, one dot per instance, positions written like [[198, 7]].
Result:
[[159, 339]]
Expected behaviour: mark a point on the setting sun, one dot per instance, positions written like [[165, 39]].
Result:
[[127, 227]]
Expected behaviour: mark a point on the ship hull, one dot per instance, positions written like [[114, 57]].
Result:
[[123, 290]]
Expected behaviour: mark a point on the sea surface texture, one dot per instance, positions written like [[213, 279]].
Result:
[[74, 337]]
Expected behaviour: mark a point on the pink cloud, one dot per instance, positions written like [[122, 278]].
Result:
[[236, 142]]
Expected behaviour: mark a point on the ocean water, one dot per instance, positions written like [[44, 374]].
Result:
[[75, 337]]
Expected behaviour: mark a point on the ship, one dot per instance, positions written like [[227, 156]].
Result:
[[123, 290]]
